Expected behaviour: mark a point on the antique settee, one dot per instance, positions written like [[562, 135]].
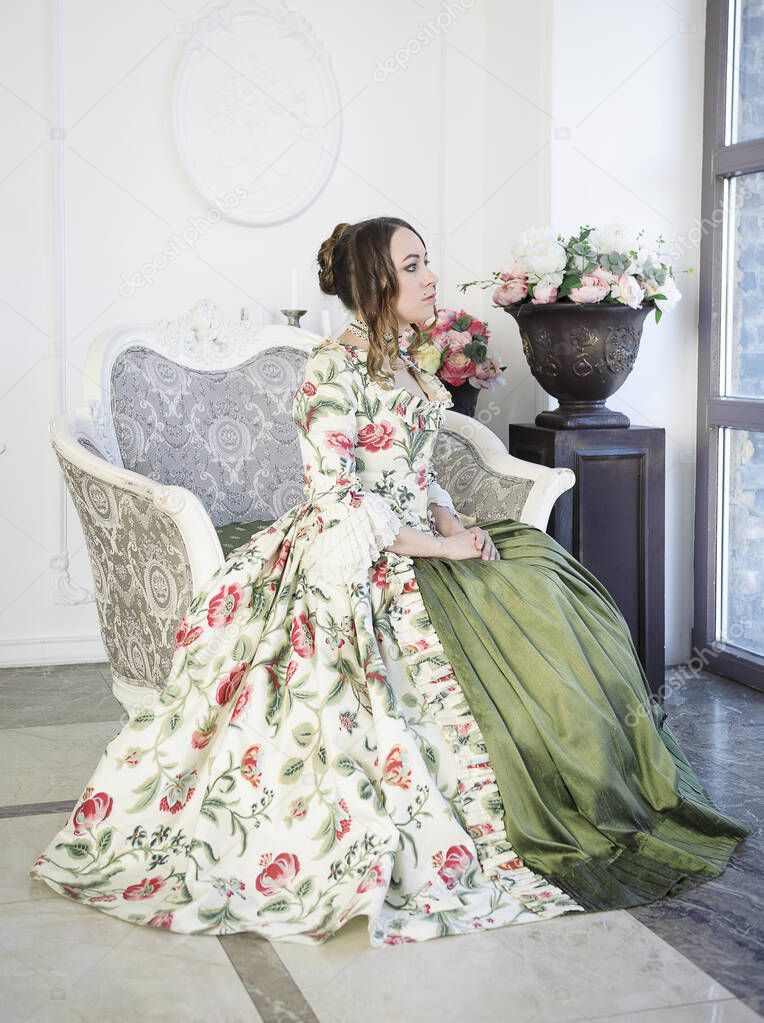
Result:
[[184, 446]]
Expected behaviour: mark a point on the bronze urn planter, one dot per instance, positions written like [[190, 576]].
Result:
[[580, 353]]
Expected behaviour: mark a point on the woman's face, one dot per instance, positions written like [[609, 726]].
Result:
[[416, 282]]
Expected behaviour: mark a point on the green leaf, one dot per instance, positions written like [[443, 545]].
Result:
[[242, 649], [172, 722], [344, 764], [170, 693], [78, 850], [292, 769], [148, 790], [280, 905], [104, 839], [142, 720], [305, 887], [303, 734]]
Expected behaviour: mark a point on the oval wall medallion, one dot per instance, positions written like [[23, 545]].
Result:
[[256, 112]]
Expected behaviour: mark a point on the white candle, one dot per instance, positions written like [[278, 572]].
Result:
[[293, 301], [326, 323]]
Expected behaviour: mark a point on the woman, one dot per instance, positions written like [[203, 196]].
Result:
[[374, 710]]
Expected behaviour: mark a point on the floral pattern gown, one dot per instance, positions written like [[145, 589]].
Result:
[[311, 757]]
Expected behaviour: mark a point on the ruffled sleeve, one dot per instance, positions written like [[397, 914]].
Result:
[[354, 525]]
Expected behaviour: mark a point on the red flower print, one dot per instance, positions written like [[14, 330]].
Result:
[[279, 563], [303, 640], [410, 585], [178, 792], [102, 898], [379, 575], [161, 920], [394, 770], [201, 736], [513, 864], [144, 889], [224, 604], [356, 498], [298, 808], [185, 636], [376, 436], [277, 874], [345, 822], [92, 811], [458, 859], [229, 684], [309, 388], [339, 441], [291, 669], [398, 939], [241, 703], [421, 477], [374, 879], [249, 765]]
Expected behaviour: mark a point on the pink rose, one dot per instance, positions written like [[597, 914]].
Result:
[[457, 368], [544, 293], [454, 340], [485, 372], [592, 289], [513, 270], [513, 291], [606, 276]]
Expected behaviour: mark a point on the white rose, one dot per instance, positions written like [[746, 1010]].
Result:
[[539, 253], [669, 289], [627, 290], [613, 237]]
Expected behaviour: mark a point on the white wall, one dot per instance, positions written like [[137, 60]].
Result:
[[627, 83], [459, 142]]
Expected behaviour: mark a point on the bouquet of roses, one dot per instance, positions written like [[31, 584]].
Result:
[[606, 265], [456, 350]]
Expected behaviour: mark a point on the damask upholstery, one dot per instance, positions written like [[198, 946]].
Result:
[[475, 488], [225, 435], [141, 574]]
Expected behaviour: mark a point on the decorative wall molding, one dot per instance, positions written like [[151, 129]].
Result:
[[256, 111], [63, 589]]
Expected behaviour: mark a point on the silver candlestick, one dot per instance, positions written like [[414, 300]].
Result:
[[293, 316]]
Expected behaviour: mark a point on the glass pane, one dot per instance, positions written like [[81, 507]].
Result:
[[746, 71], [742, 324], [740, 563]]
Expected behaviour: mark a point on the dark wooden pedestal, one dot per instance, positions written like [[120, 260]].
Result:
[[612, 520]]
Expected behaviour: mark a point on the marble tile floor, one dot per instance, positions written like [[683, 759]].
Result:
[[692, 959]]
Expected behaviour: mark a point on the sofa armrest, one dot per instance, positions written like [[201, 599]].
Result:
[[487, 483]]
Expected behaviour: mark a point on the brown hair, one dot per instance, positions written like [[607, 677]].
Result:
[[355, 264]]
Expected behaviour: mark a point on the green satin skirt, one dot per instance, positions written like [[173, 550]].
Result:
[[598, 796]]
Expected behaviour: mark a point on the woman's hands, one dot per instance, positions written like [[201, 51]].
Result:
[[472, 542]]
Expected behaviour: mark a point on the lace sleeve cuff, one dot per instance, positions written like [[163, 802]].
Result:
[[437, 495], [344, 552]]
